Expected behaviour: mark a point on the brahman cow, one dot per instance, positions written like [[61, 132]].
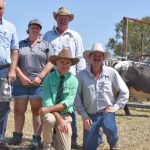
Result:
[[137, 77]]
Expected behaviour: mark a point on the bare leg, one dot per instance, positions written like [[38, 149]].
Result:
[[20, 107], [36, 104]]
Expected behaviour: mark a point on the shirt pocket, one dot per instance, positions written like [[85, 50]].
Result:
[[104, 86], [5, 37], [53, 88]]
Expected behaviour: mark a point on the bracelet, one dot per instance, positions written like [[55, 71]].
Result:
[[41, 76]]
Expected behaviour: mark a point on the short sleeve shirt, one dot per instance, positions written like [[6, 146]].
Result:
[[32, 60]]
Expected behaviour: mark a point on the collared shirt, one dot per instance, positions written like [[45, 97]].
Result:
[[32, 60], [69, 39], [51, 83], [94, 96], [8, 41]]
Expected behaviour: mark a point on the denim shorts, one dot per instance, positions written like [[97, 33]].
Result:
[[27, 92]]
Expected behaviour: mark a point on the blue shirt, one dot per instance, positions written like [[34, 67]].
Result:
[[8, 41], [69, 39]]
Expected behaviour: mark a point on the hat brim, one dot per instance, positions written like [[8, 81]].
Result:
[[55, 14], [87, 53], [54, 58]]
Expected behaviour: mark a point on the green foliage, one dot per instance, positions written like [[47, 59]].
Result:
[[138, 37]]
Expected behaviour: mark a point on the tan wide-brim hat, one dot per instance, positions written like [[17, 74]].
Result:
[[97, 47], [63, 11], [64, 53]]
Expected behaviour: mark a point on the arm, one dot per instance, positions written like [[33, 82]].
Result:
[[24, 79], [47, 68], [79, 53], [43, 73], [14, 61], [123, 92], [79, 99], [51, 109], [61, 123]]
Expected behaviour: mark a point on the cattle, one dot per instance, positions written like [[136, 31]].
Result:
[[137, 77]]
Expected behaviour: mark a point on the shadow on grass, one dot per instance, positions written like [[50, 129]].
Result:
[[23, 146]]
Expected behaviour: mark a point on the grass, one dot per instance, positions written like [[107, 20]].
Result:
[[134, 131]]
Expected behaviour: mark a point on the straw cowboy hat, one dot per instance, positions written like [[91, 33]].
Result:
[[97, 47], [64, 53], [63, 11]]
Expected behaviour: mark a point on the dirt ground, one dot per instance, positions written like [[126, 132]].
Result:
[[134, 131]]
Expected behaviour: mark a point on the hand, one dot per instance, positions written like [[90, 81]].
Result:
[[37, 81], [109, 109], [25, 81], [11, 75], [62, 126], [87, 123], [43, 111]]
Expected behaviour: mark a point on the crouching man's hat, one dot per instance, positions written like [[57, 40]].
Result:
[[64, 53]]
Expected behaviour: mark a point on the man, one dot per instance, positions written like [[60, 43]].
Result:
[[63, 37], [58, 97], [101, 92], [8, 62]]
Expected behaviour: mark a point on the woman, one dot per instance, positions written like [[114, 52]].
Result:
[[33, 66]]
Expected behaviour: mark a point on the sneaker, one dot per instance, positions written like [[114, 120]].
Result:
[[4, 146], [36, 142], [16, 139]]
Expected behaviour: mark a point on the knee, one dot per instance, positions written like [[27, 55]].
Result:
[[35, 111], [19, 112], [48, 119]]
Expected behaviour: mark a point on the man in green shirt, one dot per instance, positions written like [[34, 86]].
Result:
[[58, 97]]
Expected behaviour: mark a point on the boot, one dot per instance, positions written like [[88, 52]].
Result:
[[36, 142], [16, 139]]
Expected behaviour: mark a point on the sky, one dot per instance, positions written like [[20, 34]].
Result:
[[94, 20]]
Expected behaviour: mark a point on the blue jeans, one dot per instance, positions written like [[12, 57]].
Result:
[[4, 108], [4, 111], [74, 127], [107, 122]]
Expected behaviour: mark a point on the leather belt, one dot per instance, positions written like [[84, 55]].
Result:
[[97, 113], [4, 66]]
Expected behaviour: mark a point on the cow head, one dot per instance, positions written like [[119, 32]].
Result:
[[122, 68]]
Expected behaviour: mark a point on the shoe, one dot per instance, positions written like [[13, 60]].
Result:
[[36, 142], [4, 146], [74, 145], [115, 147], [16, 139]]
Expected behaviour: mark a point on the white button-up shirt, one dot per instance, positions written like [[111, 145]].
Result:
[[94, 96], [69, 39]]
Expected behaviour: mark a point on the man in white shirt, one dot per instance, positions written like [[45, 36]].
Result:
[[101, 92]]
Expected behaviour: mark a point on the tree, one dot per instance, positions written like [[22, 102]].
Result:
[[138, 37]]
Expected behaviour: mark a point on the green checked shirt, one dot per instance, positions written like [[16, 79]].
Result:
[[51, 83]]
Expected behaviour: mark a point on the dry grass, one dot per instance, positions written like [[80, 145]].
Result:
[[134, 131]]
